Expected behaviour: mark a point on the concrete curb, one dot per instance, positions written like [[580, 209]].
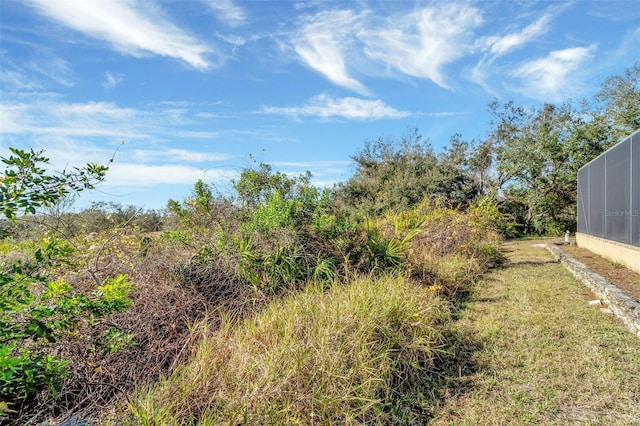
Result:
[[620, 304]]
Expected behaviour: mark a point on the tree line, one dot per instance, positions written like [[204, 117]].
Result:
[[527, 163]]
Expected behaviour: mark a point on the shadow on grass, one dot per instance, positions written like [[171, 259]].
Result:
[[457, 363], [528, 263], [456, 366]]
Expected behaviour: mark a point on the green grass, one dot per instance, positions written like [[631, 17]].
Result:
[[541, 355], [362, 353]]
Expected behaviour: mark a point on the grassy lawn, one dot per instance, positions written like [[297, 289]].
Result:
[[539, 353]]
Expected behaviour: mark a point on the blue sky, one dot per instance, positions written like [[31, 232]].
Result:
[[200, 89]]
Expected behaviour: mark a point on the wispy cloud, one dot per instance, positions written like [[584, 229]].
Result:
[[145, 175], [133, 27], [421, 43], [37, 73], [229, 13], [629, 46], [312, 164], [76, 133], [12, 119], [111, 80], [553, 77], [54, 68], [324, 106], [51, 118], [495, 47], [178, 156], [324, 174], [16, 81], [324, 42], [501, 45], [341, 43]]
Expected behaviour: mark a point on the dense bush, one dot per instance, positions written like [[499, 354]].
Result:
[[352, 347], [360, 354], [38, 307]]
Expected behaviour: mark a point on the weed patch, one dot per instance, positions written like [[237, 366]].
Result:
[[361, 353]]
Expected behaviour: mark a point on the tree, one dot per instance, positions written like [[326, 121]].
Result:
[[454, 179], [26, 186], [391, 175], [621, 97], [394, 175], [36, 311], [255, 186], [538, 154], [480, 161]]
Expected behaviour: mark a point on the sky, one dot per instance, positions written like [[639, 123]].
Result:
[[181, 90]]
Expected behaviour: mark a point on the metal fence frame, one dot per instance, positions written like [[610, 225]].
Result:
[[609, 193]]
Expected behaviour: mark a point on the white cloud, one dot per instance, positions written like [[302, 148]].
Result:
[[112, 80], [33, 74], [133, 27], [63, 129], [325, 40], [74, 119], [193, 134], [350, 108], [324, 174], [16, 81], [629, 46], [54, 68], [554, 77], [65, 152], [135, 169], [313, 164], [499, 46], [12, 119], [55, 119], [178, 155], [492, 67], [421, 43], [144, 175], [230, 13]]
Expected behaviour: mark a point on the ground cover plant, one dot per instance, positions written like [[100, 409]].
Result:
[[366, 346]]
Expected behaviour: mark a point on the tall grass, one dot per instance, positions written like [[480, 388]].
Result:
[[360, 353]]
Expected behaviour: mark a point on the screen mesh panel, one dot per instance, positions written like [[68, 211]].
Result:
[[597, 197], [583, 200], [609, 194], [635, 189], [617, 187]]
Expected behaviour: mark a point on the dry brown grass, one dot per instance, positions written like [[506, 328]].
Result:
[[361, 354], [171, 293], [623, 277]]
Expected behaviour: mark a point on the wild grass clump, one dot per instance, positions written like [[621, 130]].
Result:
[[439, 245], [361, 353]]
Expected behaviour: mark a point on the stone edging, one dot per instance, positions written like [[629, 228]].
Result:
[[622, 306]]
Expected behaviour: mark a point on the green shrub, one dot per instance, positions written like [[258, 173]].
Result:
[[36, 311]]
